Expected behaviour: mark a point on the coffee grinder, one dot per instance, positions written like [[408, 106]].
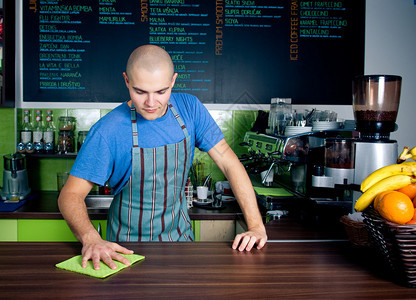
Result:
[[15, 181], [375, 103]]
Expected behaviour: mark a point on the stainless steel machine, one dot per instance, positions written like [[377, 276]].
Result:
[[15, 181], [376, 103], [327, 166]]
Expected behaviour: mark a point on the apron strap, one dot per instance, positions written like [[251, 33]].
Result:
[[178, 118], [134, 123]]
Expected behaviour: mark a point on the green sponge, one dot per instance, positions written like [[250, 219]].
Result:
[[74, 264]]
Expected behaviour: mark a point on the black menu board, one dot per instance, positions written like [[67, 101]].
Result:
[[225, 51]]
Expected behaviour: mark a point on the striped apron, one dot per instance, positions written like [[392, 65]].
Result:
[[152, 205]]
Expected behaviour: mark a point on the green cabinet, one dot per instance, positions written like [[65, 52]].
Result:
[[196, 229], [49, 230], [57, 230], [8, 231]]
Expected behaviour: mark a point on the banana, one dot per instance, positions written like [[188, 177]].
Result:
[[405, 168], [407, 153], [394, 182], [404, 155], [413, 153]]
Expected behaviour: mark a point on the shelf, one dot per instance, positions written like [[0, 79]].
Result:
[[54, 155]]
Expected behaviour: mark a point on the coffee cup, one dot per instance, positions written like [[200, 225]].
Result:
[[223, 187], [202, 193]]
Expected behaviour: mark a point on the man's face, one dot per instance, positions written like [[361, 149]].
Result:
[[150, 91]]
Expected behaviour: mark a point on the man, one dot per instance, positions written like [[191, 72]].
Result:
[[144, 148]]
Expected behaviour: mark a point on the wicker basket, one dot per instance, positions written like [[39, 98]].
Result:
[[396, 244], [356, 231]]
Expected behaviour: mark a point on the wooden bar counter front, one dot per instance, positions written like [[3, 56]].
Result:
[[201, 270]]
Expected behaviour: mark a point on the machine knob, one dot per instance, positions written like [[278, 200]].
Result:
[[318, 170]]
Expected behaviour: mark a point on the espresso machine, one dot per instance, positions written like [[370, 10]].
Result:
[[349, 161], [328, 166], [290, 158], [15, 180]]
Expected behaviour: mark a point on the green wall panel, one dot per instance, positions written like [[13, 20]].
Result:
[[45, 230]]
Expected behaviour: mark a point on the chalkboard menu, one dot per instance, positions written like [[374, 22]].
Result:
[[225, 51]]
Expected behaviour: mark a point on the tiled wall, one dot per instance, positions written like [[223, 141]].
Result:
[[42, 172]]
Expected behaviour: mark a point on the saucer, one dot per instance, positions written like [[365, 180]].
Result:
[[227, 199], [202, 202], [207, 205]]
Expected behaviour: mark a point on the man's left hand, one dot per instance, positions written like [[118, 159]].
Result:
[[247, 240]]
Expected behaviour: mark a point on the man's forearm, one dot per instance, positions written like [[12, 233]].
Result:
[[236, 174], [71, 203], [244, 193], [75, 213]]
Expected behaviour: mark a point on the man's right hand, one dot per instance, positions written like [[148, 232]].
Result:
[[101, 250], [71, 203]]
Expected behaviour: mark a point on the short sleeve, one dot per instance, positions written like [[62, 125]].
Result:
[[94, 161], [207, 132]]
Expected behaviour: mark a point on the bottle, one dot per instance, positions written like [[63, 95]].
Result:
[[49, 133], [38, 132], [25, 144], [82, 135], [105, 189]]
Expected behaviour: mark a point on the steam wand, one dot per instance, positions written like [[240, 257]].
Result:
[[267, 173]]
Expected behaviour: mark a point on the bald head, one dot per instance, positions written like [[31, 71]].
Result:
[[151, 58]]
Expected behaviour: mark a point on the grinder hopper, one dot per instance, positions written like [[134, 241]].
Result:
[[376, 103]]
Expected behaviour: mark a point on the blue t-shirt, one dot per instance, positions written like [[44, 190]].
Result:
[[106, 152]]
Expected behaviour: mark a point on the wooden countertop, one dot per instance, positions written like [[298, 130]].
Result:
[[289, 270]]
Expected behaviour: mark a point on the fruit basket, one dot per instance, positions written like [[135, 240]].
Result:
[[396, 244], [356, 231]]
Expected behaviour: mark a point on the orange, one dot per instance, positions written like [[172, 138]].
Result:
[[413, 220], [378, 197], [414, 201], [396, 207], [409, 190]]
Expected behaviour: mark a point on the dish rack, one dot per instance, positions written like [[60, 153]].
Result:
[[396, 244]]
